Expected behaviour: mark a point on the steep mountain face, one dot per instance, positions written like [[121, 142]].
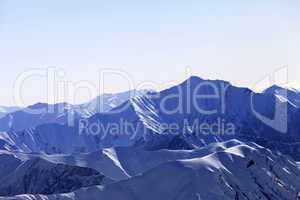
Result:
[[109, 101], [237, 113], [8, 163], [245, 172], [39, 176], [288, 94]]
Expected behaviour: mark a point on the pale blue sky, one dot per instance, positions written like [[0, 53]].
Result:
[[239, 41]]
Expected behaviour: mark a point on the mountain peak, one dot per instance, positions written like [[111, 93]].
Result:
[[276, 88], [272, 89], [195, 78]]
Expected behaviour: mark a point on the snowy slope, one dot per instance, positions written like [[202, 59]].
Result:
[[108, 101], [59, 138], [239, 172], [120, 163], [99, 161], [289, 94], [37, 114], [4, 110]]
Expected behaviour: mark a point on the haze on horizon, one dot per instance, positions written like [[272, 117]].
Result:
[[238, 41]]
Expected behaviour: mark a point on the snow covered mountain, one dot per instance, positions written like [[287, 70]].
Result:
[[289, 94], [62, 138], [17, 119], [152, 146], [40, 113], [151, 115], [240, 107], [108, 101], [240, 171], [4, 110], [121, 163]]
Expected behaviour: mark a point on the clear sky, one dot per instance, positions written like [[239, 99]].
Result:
[[239, 41]]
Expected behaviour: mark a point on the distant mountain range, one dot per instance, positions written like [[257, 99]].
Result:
[[50, 133], [16, 119], [201, 139], [5, 110]]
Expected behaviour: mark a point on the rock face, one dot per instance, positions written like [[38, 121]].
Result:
[[38, 176]]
